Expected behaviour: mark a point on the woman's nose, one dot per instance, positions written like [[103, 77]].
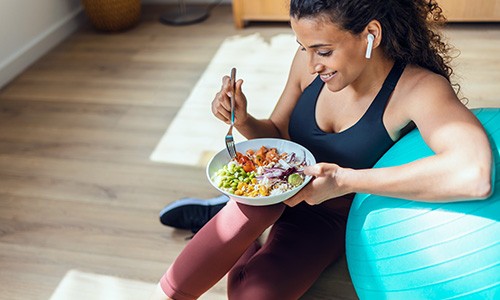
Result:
[[314, 66]]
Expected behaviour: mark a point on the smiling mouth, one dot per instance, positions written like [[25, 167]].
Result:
[[328, 75]]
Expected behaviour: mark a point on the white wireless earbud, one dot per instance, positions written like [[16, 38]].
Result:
[[369, 47]]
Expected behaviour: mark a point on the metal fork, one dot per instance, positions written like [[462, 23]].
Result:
[[231, 148]]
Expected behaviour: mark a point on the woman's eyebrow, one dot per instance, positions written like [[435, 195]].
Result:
[[316, 45], [320, 45]]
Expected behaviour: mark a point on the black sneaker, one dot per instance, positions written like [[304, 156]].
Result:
[[190, 213]]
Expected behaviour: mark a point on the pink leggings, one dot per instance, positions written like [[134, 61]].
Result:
[[303, 241]]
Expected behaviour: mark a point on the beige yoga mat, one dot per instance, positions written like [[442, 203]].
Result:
[[195, 135], [78, 285]]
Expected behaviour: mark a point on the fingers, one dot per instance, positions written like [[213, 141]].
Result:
[[293, 201], [316, 170], [225, 101], [221, 105], [299, 197], [222, 115], [227, 88], [313, 170], [225, 81], [218, 107], [239, 91]]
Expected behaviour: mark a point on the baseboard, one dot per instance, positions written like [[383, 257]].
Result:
[[40, 45], [187, 2]]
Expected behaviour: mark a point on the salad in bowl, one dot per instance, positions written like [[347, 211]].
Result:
[[265, 171]]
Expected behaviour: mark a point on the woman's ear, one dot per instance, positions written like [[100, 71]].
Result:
[[373, 32]]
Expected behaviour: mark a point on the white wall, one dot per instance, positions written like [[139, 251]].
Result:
[[29, 28]]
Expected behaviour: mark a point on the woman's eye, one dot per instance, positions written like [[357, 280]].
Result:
[[326, 53], [302, 49]]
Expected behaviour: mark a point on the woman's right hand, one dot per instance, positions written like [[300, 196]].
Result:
[[221, 105]]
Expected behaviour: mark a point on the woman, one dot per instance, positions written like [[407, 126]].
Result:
[[365, 73]]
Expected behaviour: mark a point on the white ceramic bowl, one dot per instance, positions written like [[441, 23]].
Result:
[[222, 158]]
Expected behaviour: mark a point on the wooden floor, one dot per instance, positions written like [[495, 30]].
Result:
[[77, 190]]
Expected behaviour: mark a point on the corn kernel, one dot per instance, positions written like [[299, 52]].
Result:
[[263, 190]]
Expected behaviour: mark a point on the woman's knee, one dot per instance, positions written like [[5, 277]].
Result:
[[253, 216], [250, 289]]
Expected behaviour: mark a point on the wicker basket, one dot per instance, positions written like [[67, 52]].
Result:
[[112, 15]]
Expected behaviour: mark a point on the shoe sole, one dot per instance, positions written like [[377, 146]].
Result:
[[191, 201]]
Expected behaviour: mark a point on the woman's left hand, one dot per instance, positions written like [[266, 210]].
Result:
[[323, 186]]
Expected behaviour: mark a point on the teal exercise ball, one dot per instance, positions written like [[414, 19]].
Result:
[[401, 249]]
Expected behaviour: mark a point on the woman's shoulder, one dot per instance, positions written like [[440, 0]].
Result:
[[415, 78], [419, 89], [422, 85], [299, 71]]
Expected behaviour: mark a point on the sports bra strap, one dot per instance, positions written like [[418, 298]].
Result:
[[389, 85]]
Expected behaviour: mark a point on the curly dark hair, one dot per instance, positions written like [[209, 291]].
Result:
[[410, 27]]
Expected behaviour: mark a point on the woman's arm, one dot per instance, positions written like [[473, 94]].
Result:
[[460, 170], [277, 124]]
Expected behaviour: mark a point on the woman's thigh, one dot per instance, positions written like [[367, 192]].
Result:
[[301, 244], [216, 248]]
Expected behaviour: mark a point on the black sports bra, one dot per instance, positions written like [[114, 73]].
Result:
[[361, 145]]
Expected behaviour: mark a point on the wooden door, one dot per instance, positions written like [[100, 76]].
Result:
[[471, 11], [259, 10], [454, 10]]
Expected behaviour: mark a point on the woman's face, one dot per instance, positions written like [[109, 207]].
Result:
[[335, 54]]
